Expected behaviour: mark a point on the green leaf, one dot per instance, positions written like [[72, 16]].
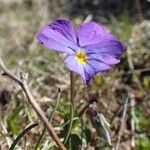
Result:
[[143, 143], [13, 121]]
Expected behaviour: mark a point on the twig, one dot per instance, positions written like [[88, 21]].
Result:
[[129, 58], [133, 116], [122, 123], [23, 83], [139, 10], [138, 70]]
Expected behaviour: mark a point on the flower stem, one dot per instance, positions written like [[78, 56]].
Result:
[[71, 106], [72, 88]]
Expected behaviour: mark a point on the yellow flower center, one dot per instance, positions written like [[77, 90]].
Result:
[[81, 56]]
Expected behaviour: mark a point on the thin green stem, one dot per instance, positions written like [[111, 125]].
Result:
[[71, 106], [21, 135], [82, 132], [72, 88], [50, 120]]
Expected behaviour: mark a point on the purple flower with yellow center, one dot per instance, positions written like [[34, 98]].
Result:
[[91, 49]]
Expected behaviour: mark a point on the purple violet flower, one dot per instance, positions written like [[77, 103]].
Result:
[[90, 50]]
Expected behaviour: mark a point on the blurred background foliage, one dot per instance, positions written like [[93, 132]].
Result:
[[20, 21]]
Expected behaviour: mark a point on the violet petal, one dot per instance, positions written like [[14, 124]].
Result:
[[91, 33]]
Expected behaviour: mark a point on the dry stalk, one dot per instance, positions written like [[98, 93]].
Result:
[[122, 123]]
